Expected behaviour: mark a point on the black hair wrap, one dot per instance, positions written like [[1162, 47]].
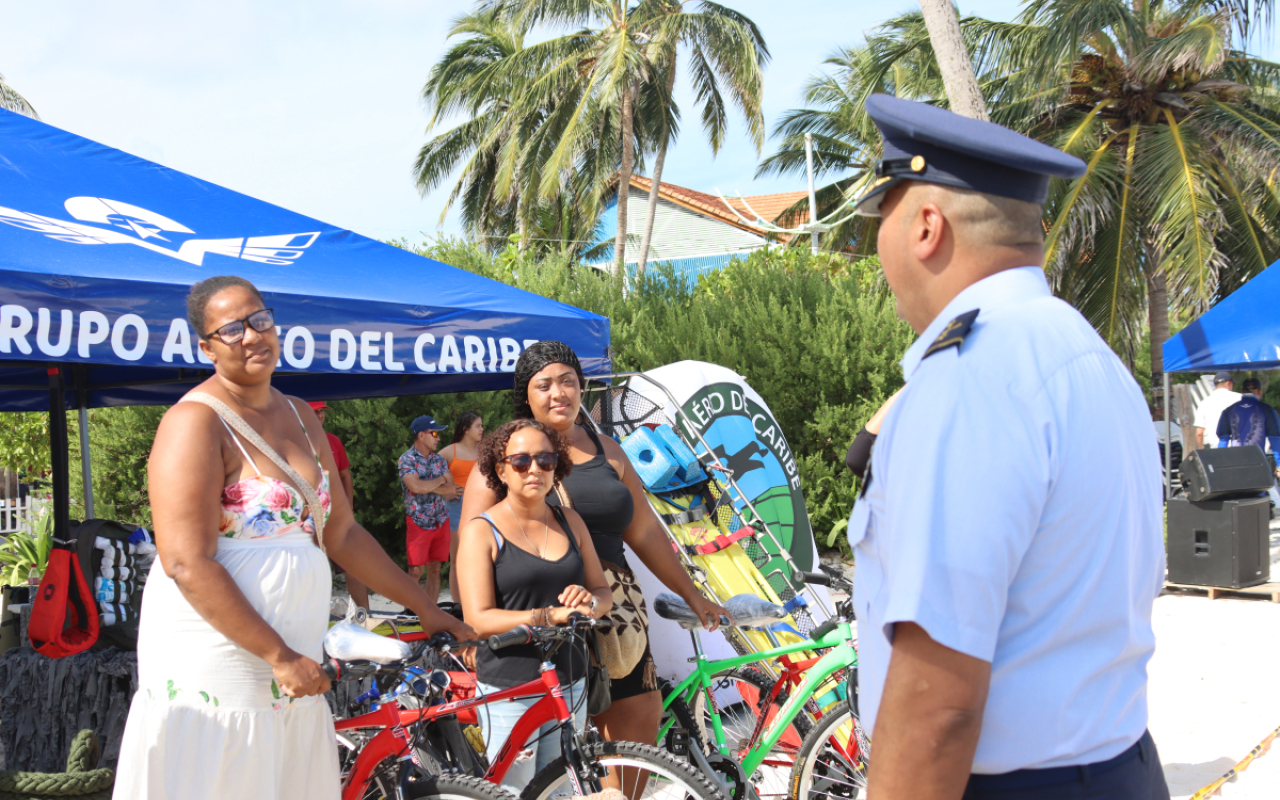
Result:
[[533, 360]]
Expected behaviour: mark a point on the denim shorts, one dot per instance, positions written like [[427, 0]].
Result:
[[497, 720]]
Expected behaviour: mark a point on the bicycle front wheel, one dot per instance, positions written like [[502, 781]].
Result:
[[452, 786], [832, 762], [743, 694], [668, 778]]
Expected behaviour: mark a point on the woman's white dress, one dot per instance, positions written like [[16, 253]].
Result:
[[208, 720]]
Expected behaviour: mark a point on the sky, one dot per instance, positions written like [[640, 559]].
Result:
[[314, 105]]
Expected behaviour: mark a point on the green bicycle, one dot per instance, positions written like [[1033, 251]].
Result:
[[744, 728]]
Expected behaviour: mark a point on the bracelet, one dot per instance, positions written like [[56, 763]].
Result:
[[533, 617]]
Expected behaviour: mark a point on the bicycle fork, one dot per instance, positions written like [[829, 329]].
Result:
[[721, 746], [584, 777]]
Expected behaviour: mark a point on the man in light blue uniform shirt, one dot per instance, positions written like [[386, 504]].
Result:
[[1008, 539]]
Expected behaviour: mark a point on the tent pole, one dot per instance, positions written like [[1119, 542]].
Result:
[[1168, 444], [86, 472], [58, 459]]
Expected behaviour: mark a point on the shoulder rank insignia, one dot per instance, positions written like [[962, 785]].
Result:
[[953, 334]]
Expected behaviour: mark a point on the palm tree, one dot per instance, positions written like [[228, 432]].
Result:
[[953, 59], [487, 142], [724, 46], [10, 99], [1179, 127], [619, 75]]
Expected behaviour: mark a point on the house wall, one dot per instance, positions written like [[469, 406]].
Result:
[[678, 233]]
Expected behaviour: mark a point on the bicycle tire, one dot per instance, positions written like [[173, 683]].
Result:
[[670, 778], [824, 769], [452, 786]]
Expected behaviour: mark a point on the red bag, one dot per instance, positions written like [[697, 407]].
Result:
[[64, 618]]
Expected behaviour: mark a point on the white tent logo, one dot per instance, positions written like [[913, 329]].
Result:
[[138, 226]]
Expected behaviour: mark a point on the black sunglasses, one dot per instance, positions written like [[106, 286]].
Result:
[[233, 332], [521, 462]]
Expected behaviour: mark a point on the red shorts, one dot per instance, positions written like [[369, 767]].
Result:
[[426, 546]]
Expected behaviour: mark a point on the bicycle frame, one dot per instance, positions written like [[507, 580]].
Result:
[[393, 741], [842, 655]]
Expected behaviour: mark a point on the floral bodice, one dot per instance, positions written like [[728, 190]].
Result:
[[262, 506]]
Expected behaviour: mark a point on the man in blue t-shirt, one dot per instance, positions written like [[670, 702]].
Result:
[[1250, 421]]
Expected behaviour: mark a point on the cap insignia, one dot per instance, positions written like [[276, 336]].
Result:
[[917, 164], [953, 334]]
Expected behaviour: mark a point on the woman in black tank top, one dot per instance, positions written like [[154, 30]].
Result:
[[606, 492], [524, 562]]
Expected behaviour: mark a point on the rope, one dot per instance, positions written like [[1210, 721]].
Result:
[[80, 780], [1215, 787]]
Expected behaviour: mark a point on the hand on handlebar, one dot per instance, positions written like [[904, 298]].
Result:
[[574, 596], [299, 676]]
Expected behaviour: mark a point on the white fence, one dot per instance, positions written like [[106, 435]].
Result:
[[16, 504]]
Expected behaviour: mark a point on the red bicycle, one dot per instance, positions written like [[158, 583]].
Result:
[[413, 746]]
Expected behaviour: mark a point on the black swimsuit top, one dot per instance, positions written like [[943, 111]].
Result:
[[602, 500]]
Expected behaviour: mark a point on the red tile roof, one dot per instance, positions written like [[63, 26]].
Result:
[[769, 206]]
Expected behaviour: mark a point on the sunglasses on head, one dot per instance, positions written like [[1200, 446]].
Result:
[[521, 462], [233, 332]]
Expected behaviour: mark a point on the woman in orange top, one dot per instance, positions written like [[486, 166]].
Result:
[[461, 457]]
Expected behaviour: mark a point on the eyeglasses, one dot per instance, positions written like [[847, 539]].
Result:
[[233, 332], [434, 434], [521, 462]]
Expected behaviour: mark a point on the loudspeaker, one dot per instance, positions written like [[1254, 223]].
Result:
[[1219, 472], [1224, 543]]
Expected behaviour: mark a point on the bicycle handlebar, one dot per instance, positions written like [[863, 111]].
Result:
[[524, 634], [823, 629], [814, 578], [521, 634]]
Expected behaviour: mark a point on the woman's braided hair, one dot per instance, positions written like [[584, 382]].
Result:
[[533, 360]]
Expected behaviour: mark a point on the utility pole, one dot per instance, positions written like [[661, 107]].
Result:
[[953, 59], [813, 198]]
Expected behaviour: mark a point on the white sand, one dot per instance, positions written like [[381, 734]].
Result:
[[1215, 690]]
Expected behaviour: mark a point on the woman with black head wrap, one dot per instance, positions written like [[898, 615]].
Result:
[[606, 492]]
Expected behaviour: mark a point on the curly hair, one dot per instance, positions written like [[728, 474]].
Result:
[[494, 448], [533, 360], [205, 290]]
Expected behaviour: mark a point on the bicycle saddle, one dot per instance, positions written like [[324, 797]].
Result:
[[347, 641], [748, 611]]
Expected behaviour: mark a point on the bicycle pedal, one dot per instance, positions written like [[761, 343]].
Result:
[[678, 741]]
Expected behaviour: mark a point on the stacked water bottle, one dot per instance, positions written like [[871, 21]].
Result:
[[122, 574]]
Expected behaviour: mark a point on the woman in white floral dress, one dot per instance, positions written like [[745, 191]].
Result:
[[233, 616]]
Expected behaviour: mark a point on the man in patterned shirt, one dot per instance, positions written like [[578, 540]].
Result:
[[427, 482]]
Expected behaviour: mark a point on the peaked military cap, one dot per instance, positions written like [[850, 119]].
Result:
[[930, 144]]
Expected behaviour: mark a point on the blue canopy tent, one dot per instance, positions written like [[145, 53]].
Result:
[[1241, 332], [98, 249]]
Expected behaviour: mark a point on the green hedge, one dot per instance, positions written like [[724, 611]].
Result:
[[817, 337]]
